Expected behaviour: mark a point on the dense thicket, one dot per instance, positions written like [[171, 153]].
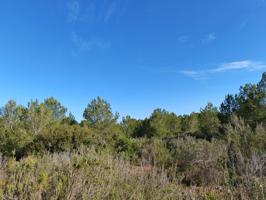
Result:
[[223, 147]]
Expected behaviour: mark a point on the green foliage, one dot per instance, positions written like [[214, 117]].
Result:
[[210, 196], [58, 138], [38, 117], [99, 113], [70, 119], [144, 129], [127, 147], [39, 127], [130, 126], [249, 103], [13, 143], [251, 107], [209, 122], [190, 124], [164, 123], [228, 108], [10, 114], [58, 111]]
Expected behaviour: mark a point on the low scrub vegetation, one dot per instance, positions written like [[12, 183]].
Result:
[[87, 174]]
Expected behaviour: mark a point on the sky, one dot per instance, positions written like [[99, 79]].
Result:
[[137, 54]]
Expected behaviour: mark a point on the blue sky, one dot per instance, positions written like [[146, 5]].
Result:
[[137, 54]]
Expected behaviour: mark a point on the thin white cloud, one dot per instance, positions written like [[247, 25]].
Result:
[[110, 11], [243, 24], [183, 38], [241, 65], [261, 2], [83, 44], [94, 13], [245, 65], [197, 75], [73, 10], [209, 38], [88, 13]]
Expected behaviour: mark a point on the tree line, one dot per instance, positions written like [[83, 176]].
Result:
[[45, 126]]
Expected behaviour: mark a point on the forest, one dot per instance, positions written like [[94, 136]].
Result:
[[217, 153]]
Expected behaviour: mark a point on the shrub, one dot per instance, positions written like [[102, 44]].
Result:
[[199, 162]]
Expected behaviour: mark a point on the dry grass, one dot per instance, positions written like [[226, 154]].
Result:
[[90, 175]]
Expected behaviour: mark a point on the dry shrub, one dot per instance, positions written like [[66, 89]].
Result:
[[199, 162], [86, 174]]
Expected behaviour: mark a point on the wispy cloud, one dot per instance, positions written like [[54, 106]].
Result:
[[183, 38], [88, 45], [92, 12], [110, 11], [243, 24], [197, 75], [209, 38], [241, 65], [73, 8], [261, 2], [245, 65]]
